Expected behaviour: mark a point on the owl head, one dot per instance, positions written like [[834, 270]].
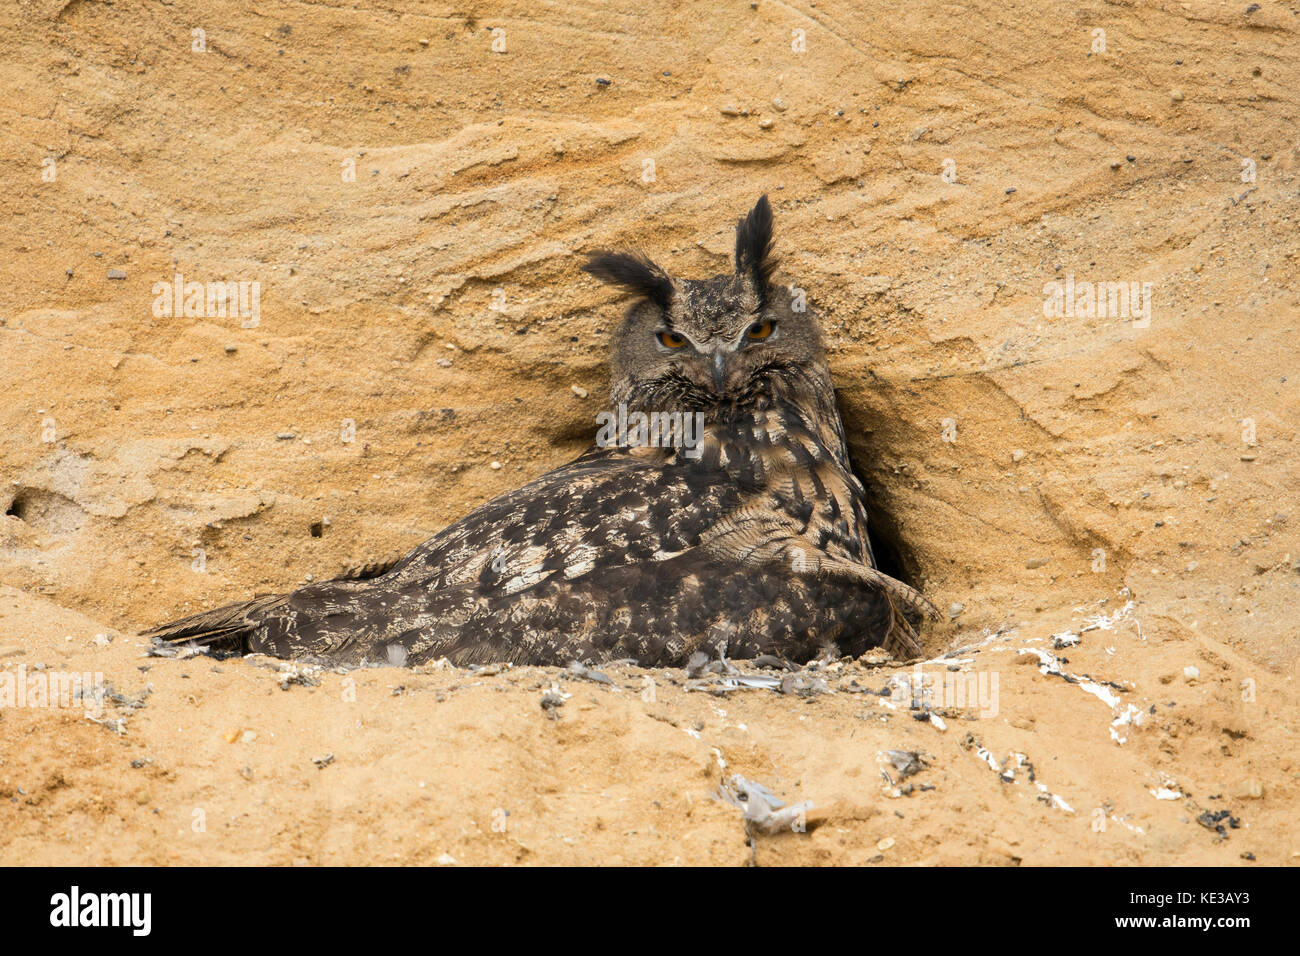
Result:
[[735, 340]]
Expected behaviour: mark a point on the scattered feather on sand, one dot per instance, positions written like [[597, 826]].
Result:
[[1011, 766], [583, 672], [290, 673], [906, 762], [553, 700], [721, 676], [116, 724], [763, 810], [160, 648]]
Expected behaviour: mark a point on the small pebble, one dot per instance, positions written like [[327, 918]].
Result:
[[116, 274]]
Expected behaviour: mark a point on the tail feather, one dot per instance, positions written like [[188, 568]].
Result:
[[229, 626], [901, 640]]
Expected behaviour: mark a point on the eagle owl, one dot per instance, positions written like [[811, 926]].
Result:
[[721, 515]]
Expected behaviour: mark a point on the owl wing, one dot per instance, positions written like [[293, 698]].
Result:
[[473, 589], [805, 510], [611, 506]]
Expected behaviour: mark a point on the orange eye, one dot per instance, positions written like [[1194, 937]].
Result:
[[759, 331], [671, 340]]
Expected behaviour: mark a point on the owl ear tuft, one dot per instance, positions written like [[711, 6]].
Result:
[[633, 272], [754, 256]]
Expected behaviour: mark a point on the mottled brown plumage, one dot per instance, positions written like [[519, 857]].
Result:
[[748, 537]]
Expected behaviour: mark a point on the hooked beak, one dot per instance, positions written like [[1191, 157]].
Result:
[[719, 371]]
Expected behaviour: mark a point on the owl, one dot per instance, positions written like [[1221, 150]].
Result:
[[716, 511]]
